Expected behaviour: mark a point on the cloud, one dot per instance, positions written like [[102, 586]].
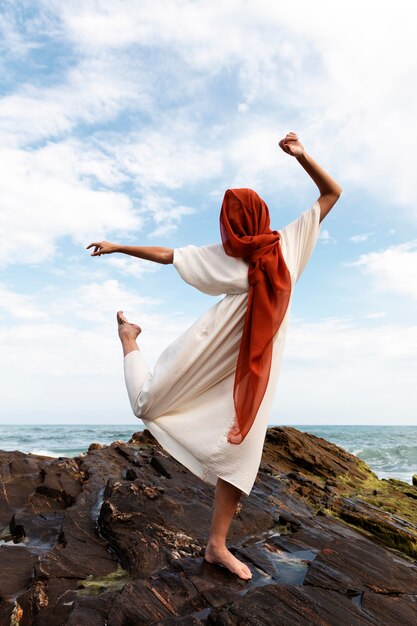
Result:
[[258, 58], [93, 91], [20, 306], [14, 42], [325, 237], [360, 237], [392, 270], [43, 198], [277, 55], [66, 350], [375, 315], [129, 266], [337, 371], [169, 158], [319, 79]]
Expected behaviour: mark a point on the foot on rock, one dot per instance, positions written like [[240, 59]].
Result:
[[125, 328], [223, 556]]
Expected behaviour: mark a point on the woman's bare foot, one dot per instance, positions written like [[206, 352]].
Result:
[[127, 330], [128, 333], [223, 556]]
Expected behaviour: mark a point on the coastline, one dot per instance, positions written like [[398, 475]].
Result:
[[389, 450], [117, 536]]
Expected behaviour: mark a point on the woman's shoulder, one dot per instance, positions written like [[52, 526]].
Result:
[[210, 269], [215, 251]]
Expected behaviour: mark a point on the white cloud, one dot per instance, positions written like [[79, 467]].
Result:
[[165, 213], [168, 158], [375, 315], [325, 236], [287, 55], [93, 91], [129, 266], [70, 361], [360, 237], [13, 43], [20, 306], [279, 54], [274, 54], [336, 371], [392, 270], [44, 197]]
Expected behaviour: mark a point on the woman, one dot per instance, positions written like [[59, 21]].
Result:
[[209, 397]]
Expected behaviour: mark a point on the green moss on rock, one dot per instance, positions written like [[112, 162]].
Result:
[[115, 581]]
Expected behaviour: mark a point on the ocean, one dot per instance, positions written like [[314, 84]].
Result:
[[390, 451]]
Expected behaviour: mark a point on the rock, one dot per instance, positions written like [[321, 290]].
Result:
[[16, 567], [116, 536], [414, 479], [96, 446]]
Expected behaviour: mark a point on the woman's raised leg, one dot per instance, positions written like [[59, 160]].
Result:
[[226, 499], [135, 369]]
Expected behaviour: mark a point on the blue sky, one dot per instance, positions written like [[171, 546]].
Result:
[[127, 121]]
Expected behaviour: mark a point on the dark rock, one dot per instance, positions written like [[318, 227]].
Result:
[[61, 481], [143, 438], [131, 474], [16, 530], [295, 605], [117, 536], [159, 466], [16, 569]]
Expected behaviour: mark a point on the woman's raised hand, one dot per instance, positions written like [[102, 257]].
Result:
[[291, 144], [102, 247]]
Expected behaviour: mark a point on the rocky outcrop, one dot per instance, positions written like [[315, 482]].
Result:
[[116, 536]]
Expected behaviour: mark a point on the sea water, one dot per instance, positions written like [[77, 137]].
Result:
[[389, 450]]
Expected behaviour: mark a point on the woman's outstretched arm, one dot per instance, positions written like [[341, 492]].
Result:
[[157, 254], [330, 190]]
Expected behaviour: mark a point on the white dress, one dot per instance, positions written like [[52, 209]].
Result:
[[187, 403]]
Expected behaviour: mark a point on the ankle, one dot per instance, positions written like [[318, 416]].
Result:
[[216, 544], [129, 346]]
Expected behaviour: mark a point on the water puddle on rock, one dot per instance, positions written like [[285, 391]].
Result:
[[96, 508], [274, 564]]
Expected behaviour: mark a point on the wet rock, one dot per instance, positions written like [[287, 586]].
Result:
[[117, 536], [295, 605]]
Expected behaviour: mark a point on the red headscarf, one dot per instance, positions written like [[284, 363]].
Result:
[[245, 232]]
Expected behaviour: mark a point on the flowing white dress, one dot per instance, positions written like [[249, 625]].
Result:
[[187, 402]]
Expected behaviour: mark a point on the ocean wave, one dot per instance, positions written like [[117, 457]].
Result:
[[44, 453]]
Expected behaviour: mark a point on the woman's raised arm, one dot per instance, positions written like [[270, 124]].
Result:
[[157, 254], [330, 190]]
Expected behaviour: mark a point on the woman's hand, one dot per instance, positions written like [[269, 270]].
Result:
[[102, 247], [292, 145]]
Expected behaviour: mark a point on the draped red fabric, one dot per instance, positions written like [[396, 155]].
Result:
[[245, 232]]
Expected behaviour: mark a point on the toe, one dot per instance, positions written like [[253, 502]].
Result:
[[121, 319]]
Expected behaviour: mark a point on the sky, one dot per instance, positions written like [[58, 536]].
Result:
[[127, 121]]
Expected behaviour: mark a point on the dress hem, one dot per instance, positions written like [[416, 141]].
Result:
[[188, 460]]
